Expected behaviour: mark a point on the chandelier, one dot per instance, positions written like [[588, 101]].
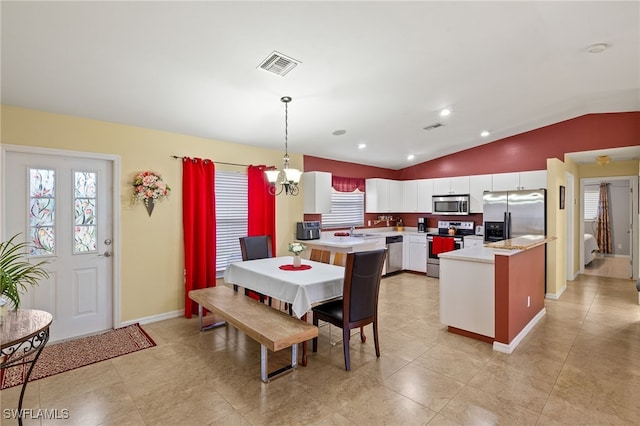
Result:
[[286, 179]]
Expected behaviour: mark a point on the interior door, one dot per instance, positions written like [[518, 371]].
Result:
[[63, 206]]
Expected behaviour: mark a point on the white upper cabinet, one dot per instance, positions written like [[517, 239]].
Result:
[[505, 181], [425, 194], [451, 185], [317, 192], [536, 179], [477, 185], [395, 196], [409, 196], [383, 195]]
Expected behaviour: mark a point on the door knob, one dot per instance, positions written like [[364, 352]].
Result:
[[107, 253]]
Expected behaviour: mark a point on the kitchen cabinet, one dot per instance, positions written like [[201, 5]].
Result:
[[451, 185], [316, 187], [395, 196], [477, 185], [409, 196], [425, 194], [406, 249], [473, 241], [535, 179], [383, 195], [417, 253]]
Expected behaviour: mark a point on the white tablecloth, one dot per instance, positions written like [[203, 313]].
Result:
[[301, 288]]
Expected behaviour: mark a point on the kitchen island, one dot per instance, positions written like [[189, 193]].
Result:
[[494, 293], [345, 244]]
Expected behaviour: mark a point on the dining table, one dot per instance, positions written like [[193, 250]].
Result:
[[25, 332], [303, 287]]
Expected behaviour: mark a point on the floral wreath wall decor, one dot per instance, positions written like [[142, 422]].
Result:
[[149, 187]]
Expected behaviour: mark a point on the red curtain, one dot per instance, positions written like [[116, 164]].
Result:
[[347, 184], [199, 227], [261, 205]]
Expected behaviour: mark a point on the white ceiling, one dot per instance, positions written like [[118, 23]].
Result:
[[382, 71]]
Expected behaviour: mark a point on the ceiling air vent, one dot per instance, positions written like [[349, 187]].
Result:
[[434, 126], [278, 64]]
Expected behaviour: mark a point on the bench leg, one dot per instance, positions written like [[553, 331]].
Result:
[[210, 326], [266, 377]]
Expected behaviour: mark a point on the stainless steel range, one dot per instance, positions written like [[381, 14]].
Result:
[[453, 230]]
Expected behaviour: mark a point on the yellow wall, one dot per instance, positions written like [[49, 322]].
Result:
[[556, 280], [151, 247], [572, 167], [616, 168]]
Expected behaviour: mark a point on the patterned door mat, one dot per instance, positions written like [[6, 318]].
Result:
[[69, 355]]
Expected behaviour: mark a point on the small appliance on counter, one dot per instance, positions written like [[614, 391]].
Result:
[[422, 224], [308, 230]]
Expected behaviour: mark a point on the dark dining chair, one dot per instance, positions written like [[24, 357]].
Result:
[[359, 304], [252, 248]]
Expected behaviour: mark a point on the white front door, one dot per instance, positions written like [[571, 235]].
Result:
[[62, 205]]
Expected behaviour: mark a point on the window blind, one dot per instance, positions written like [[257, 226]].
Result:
[[591, 199], [347, 210], [231, 216]]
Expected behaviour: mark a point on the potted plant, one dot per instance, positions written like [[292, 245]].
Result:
[[16, 273]]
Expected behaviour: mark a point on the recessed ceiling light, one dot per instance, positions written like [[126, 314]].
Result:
[[339, 132], [597, 48], [411, 157], [362, 145], [484, 133], [445, 112]]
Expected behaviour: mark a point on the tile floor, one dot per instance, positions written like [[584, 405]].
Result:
[[609, 266], [579, 365]]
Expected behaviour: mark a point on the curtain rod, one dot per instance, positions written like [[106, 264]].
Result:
[[215, 162]]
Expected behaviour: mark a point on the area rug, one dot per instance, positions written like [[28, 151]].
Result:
[[69, 355]]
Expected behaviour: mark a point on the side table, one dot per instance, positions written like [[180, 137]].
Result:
[[25, 332]]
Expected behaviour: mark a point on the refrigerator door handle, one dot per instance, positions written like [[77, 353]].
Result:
[[509, 225]]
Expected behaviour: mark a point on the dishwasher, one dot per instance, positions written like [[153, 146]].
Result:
[[394, 253]]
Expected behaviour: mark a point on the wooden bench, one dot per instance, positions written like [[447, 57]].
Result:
[[274, 330]]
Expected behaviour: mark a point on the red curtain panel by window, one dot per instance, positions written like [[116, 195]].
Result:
[[261, 205]]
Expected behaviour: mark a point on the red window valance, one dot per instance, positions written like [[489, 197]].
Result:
[[347, 184]]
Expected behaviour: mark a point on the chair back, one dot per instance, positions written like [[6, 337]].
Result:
[[256, 247], [362, 284], [320, 255]]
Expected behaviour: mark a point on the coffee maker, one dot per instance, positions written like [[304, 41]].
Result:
[[422, 224]]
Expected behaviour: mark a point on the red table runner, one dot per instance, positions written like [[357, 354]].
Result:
[[293, 268]]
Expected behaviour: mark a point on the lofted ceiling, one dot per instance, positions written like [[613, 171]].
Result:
[[379, 71]]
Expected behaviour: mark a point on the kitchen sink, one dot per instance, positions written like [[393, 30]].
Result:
[[364, 235]]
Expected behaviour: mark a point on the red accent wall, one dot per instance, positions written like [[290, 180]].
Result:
[[345, 169], [530, 150], [517, 277]]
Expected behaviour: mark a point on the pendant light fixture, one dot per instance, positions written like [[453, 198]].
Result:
[[286, 179]]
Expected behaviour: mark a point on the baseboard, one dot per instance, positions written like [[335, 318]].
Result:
[[556, 296], [154, 318], [509, 348]]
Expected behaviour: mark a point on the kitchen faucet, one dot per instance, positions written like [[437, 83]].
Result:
[[352, 230]]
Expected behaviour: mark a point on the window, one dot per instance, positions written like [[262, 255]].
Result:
[[85, 197], [42, 185], [591, 198], [231, 216], [347, 210]]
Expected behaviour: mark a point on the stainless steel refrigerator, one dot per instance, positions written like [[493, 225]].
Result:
[[512, 214]]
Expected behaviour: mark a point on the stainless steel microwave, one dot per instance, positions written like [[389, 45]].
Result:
[[451, 204]]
